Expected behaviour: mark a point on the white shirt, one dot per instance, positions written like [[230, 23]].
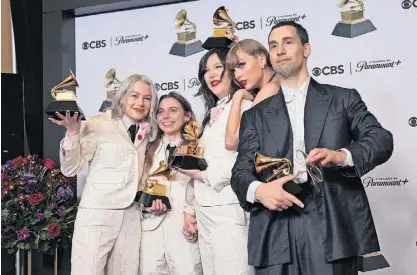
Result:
[[295, 99]]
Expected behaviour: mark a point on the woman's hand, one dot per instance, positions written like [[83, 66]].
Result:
[[157, 207], [192, 173], [73, 124], [243, 94], [189, 229]]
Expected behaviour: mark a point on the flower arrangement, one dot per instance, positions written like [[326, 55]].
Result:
[[38, 206]]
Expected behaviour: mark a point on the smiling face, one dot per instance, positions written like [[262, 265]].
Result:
[[219, 86], [249, 70], [288, 55], [137, 102], [171, 116]]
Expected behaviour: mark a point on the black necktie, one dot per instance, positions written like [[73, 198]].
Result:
[[132, 131], [171, 150]]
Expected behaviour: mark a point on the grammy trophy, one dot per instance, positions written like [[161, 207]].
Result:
[[153, 189], [190, 156], [187, 43], [223, 27], [63, 99], [112, 84], [270, 169], [353, 22]]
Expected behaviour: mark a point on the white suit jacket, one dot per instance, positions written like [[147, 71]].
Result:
[[215, 188], [180, 190], [115, 163]]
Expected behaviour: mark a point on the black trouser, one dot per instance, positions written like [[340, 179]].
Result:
[[306, 246]]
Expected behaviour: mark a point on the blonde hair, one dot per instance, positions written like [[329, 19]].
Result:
[[122, 93], [248, 46]]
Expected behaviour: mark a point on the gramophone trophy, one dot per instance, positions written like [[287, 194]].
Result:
[[270, 169], [187, 43], [64, 100], [372, 261], [353, 22], [112, 84], [223, 26], [190, 156], [153, 189]]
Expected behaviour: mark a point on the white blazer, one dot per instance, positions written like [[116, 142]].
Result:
[[216, 189], [115, 163]]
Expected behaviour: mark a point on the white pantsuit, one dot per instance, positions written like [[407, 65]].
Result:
[[164, 249], [107, 229], [222, 223]]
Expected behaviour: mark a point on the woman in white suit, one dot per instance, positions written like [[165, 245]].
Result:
[[169, 238], [222, 223], [107, 230]]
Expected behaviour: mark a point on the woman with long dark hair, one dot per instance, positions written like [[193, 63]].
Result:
[[222, 223], [164, 249]]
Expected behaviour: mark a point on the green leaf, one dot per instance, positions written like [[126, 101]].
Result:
[[44, 235], [54, 220], [33, 221], [48, 214], [64, 226], [21, 246], [11, 251], [27, 246], [45, 247]]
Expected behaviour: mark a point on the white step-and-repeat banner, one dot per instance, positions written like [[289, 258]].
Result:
[[381, 65]]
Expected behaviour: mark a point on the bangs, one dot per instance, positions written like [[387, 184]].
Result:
[[232, 60]]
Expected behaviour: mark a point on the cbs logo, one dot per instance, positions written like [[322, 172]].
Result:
[[413, 121], [407, 4], [94, 44], [245, 25], [328, 70], [165, 86]]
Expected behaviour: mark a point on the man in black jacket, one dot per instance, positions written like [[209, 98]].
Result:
[[322, 229]]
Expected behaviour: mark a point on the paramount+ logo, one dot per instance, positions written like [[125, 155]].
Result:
[[408, 4], [97, 44], [328, 70]]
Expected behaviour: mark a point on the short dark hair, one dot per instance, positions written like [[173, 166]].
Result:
[[301, 31]]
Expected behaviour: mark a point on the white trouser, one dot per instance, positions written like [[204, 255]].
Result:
[[223, 238]]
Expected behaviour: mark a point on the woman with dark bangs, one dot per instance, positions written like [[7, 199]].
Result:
[[222, 223]]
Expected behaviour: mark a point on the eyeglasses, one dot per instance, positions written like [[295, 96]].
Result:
[[312, 170]]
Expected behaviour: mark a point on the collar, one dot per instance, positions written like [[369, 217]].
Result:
[[172, 143], [128, 122], [289, 92], [223, 101]]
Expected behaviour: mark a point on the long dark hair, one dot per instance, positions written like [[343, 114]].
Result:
[[186, 107], [209, 98]]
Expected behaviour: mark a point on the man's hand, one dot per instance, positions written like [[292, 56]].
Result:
[[157, 207], [274, 197], [325, 157], [189, 229]]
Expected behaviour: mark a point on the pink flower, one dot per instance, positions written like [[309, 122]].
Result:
[[215, 113], [145, 127], [23, 234]]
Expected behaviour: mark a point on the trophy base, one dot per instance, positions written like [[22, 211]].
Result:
[[292, 188], [105, 105], [186, 49], [189, 163], [369, 263], [217, 42], [61, 107], [354, 29], [147, 199]]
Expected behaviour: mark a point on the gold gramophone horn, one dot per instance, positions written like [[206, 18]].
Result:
[[220, 16], [181, 19], [110, 78], [163, 170], [69, 81]]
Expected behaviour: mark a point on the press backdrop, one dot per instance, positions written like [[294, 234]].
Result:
[[381, 65]]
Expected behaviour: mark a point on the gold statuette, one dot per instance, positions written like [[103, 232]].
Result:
[[187, 43], [353, 22], [112, 84], [190, 155], [223, 27], [64, 99], [153, 189]]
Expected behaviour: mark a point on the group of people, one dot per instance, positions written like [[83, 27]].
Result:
[[226, 220]]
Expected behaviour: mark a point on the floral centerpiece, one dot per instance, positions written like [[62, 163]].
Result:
[[38, 206]]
